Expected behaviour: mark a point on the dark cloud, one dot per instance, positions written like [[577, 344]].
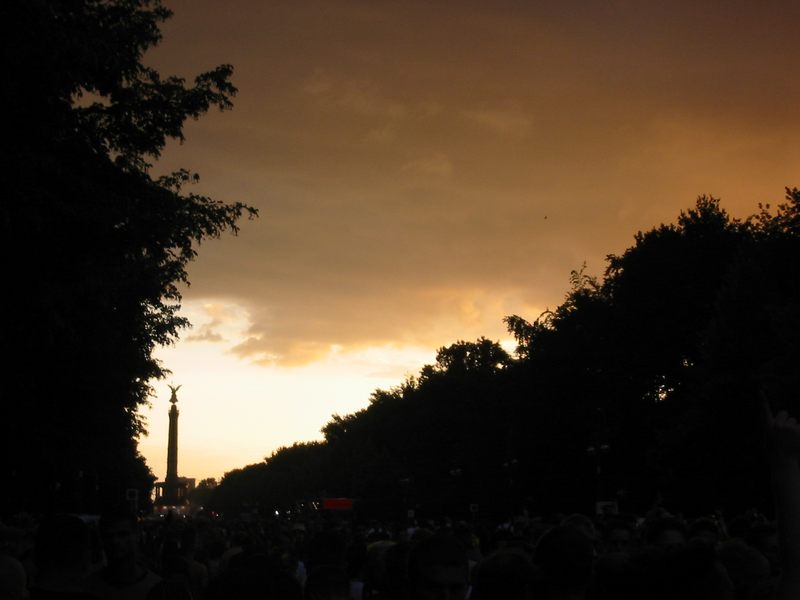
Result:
[[404, 155], [205, 334]]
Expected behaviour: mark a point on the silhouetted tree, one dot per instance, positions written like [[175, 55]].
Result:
[[203, 492], [640, 381], [96, 244]]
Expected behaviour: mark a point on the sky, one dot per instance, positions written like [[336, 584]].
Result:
[[423, 169]]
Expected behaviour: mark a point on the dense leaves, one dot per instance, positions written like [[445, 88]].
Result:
[[96, 245], [638, 388]]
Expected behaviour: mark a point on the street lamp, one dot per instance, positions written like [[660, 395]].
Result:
[[597, 452]]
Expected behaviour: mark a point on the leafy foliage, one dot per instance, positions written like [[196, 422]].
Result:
[[640, 385], [99, 244]]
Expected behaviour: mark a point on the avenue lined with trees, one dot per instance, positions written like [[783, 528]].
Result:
[[640, 386], [666, 387]]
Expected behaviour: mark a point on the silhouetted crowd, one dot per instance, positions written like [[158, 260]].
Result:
[[316, 556], [319, 557]]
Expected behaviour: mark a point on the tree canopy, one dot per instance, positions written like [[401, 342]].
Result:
[[97, 245], [640, 385]]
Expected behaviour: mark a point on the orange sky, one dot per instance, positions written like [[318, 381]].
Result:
[[425, 168]]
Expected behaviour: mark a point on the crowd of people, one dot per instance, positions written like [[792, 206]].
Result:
[[327, 556]]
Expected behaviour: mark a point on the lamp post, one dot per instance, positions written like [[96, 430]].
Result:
[[596, 453], [452, 502], [510, 468], [406, 485]]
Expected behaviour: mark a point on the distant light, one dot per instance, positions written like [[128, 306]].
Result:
[[277, 513]]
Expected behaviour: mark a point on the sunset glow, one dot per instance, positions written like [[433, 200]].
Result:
[[424, 169]]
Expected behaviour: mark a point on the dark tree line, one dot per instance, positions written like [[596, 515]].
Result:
[[95, 245], [640, 385]]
